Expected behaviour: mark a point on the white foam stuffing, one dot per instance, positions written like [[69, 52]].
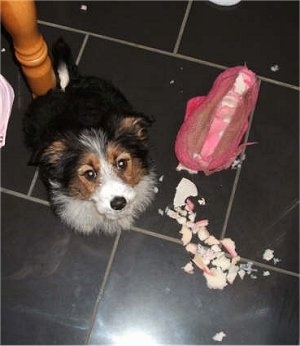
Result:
[[232, 273], [202, 201], [217, 259], [83, 7], [211, 240], [268, 254], [189, 268], [223, 262], [217, 278], [274, 68], [181, 167], [219, 336], [161, 178], [276, 260], [186, 235], [203, 233], [184, 189], [241, 273]]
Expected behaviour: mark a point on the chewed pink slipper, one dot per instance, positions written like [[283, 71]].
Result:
[[214, 125]]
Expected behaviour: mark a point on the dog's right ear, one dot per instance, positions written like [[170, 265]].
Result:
[[49, 155], [53, 153]]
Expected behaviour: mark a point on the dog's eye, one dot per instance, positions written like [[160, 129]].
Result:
[[90, 174], [121, 164]]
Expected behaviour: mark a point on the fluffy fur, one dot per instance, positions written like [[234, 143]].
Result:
[[91, 148]]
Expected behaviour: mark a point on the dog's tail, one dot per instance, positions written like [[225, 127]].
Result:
[[64, 65]]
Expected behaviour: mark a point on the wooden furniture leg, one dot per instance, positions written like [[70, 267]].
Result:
[[19, 19]]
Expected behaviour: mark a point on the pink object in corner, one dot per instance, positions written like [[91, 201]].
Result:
[[7, 96], [214, 125]]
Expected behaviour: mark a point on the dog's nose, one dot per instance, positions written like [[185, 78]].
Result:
[[118, 203]]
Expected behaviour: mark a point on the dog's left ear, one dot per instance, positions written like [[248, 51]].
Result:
[[136, 124]]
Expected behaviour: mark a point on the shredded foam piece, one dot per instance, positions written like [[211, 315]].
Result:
[[266, 273], [222, 261], [201, 223], [276, 260], [203, 233], [229, 246], [3, 50], [211, 240], [181, 167], [268, 254], [189, 268], [247, 267], [237, 163], [83, 7], [274, 68], [161, 178], [184, 189], [202, 201], [242, 273], [155, 189], [160, 212], [186, 235], [200, 264], [192, 248], [232, 273], [219, 336], [217, 278]]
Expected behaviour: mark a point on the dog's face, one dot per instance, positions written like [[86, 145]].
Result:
[[109, 170]]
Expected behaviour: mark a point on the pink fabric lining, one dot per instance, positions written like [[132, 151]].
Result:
[[214, 125]]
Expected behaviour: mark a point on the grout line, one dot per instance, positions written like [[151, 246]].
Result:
[[237, 176], [86, 37], [285, 212], [102, 287], [138, 230], [33, 181], [182, 27], [23, 196], [230, 203], [161, 51], [156, 235]]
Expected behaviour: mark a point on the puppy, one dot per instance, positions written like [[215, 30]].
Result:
[[91, 148]]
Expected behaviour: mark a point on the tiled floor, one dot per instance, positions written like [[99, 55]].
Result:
[[62, 288]]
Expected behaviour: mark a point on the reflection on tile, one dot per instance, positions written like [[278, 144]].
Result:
[[141, 22], [221, 35], [148, 296], [48, 273], [269, 180]]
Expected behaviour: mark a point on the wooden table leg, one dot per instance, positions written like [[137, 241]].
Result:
[[19, 19]]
